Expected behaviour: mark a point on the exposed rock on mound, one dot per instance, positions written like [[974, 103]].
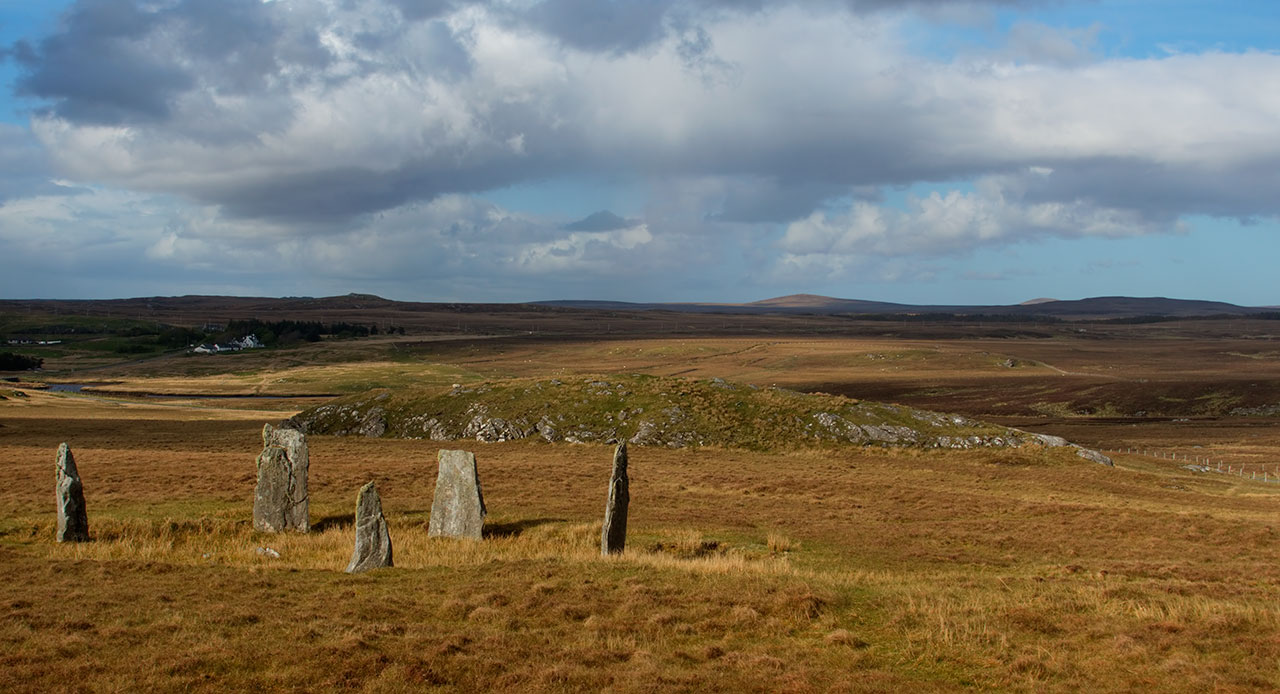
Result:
[[649, 411]]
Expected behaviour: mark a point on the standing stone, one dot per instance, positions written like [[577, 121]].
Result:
[[271, 496], [373, 542], [458, 507], [280, 501], [73, 522], [614, 534]]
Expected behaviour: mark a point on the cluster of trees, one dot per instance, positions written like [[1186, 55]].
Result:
[[142, 339], [289, 332], [12, 361]]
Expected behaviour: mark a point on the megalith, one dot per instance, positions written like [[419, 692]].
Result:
[[280, 500], [613, 537], [458, 507], [373, 542], [73, 521]]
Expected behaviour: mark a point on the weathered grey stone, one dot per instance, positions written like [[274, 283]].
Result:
[[73, 521], [373, 542], [271, 496], [280, 500], [1050, 440], [613, 536], [1095, 456], [458, 507]]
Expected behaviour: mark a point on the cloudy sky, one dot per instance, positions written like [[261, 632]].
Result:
[[927, 151]]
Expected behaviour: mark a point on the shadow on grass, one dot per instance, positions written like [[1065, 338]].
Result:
[[514, 528], [343, 520]]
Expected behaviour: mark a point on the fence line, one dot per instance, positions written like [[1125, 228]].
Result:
[[1270, 472]]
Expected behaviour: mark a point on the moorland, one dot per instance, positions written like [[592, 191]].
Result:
[[756, 563]]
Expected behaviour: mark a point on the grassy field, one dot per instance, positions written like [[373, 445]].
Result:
[[837, 569]]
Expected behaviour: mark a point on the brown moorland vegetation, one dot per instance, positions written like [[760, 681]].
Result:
[[837, 569], [849, 570]]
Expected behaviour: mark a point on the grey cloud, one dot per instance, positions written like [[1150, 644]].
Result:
[[603, 220], [118, 61], [24, 167], [435, 50], [1163, 190], [418, 10], [388, 113], [602, 25], [622, 26], [95, 71], [1037, 43], [755, 200]]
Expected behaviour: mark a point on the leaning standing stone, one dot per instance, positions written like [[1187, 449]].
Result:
[[613, 537], [73, 522], [280, 500], [458, 507], [373, 542]]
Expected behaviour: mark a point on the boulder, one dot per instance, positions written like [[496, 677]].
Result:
[[458, 507], [280, 500], [73, 521], [373, 542], [613, 536], [1095, 456], [1050, 441]]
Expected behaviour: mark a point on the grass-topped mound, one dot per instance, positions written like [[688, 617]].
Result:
[[647, 411]]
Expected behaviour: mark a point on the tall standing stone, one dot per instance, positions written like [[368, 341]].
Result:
[[458, 507], [373, 542], [280, 500], [613, 537], [73, 521]]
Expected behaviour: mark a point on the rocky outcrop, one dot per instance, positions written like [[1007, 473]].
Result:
[[373, 541], [457, 510], [73, 520], [654, 411], [613, 535], [280, 499]]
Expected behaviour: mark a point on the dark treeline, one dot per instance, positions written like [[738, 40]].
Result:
[[10, 361], [288, 332]]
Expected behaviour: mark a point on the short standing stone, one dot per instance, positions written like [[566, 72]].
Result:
[[373, 542], [458, 507], [73, 521], [613, 537], [280, 501]]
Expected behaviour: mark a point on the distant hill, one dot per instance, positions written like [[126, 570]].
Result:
[[186, 310], [1095, 307]]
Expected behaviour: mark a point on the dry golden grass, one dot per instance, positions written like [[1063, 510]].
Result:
[[851, 570], [836, 570]]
